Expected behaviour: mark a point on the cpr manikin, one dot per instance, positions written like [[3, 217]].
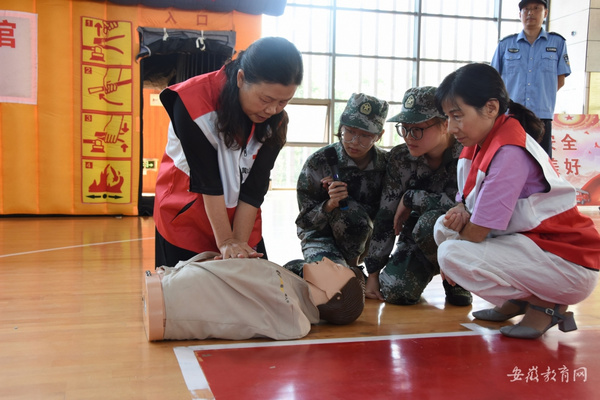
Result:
[[245, 298]]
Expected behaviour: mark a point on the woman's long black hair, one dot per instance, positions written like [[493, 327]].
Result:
[[477, 83], [268, 60]]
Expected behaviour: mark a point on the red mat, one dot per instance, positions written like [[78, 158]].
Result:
[[441, 366]]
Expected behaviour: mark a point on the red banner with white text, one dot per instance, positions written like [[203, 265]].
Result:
[[576, 154]]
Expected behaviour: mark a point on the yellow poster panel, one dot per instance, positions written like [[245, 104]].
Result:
[[104, 180], [106, 89], [106, 110], [106, 42], [106, 135]]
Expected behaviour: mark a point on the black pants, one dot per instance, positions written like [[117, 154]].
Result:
[[168, 255], [546, 141]]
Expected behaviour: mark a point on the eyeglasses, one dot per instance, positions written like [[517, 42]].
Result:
[[415, 132], [364, 140]]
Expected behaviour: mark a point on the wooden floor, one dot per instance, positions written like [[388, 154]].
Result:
[[71, 318]]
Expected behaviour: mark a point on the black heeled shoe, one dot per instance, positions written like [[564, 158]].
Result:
[[566, 323], [490, 314]]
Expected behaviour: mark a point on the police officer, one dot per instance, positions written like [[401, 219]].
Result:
[[533, 65]]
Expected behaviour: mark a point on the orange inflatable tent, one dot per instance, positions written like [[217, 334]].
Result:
[[81, 131]]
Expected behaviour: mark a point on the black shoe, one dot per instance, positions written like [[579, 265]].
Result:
[[456, 295]]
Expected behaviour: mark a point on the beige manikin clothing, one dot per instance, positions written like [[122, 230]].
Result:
[[235, 299]]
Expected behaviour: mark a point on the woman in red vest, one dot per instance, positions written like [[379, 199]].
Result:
[[516, 238], [227, 128]]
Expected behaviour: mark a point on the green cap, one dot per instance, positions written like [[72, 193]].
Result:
[[365, 112], [418, 106]]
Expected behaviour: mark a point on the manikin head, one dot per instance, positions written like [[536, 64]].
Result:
[[336, 290]]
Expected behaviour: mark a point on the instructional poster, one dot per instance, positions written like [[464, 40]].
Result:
[[576, 154], [106, 111]]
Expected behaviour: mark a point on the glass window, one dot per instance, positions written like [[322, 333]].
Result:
[[510, 10], [337, 113], [382, 78], [315, 84], [312, 2], [390, 138], [379, 5], [308, 28], [433, 73], [509, 28], [308, 123], [377, 47], [454, 39], [374, 34], [288, 166], [471, 8]]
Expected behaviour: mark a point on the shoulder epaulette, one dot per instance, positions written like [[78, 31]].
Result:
[[508, 37], [557, 34]]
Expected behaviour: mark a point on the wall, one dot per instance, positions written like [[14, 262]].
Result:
[[593, 58], [579, 22], [58, 156], [571, 20]]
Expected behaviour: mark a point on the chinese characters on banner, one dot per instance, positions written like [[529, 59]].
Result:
[[576, 154], [18, 55], [106, 110]]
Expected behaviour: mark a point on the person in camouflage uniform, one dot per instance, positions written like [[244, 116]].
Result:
[[325, 229], [420, 185]]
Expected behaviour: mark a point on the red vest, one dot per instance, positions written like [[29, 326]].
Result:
[[189, 228], [551, 219]]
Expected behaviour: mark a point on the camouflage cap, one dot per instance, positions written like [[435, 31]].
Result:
[[418, 106], [365, 112]]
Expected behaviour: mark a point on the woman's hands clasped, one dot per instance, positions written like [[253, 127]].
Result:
[[456, 218]]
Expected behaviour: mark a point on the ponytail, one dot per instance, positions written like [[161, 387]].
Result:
[[528, 120]]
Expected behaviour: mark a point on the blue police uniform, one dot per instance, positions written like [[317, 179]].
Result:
[[530, 71]]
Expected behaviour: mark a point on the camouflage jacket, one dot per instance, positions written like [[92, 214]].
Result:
[[423, 190], [364, 186]]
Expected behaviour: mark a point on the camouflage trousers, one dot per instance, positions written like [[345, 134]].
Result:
[[346, 238], [414, 261]]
